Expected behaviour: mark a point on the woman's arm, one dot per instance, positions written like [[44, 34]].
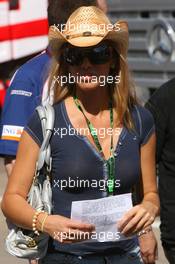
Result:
[[16, 208], [148, 168], [148, 247], [9, 162], [14, 205], [143, 215]]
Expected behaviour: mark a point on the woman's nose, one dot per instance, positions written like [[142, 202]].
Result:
[[86, 63]]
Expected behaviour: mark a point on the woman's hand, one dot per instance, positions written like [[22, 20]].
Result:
[[139, 217], [66, 230], [148, 248]]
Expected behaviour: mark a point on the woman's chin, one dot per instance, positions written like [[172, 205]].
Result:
[[88, 86]]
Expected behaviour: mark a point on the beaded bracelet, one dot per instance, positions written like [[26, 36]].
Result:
[[34, 221], [144, 231]]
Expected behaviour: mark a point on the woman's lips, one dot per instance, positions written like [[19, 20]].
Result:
[[86, 76]]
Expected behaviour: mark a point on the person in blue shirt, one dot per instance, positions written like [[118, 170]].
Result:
[[23, 95], [28, 86]]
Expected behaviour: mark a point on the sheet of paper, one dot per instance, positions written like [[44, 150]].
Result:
[[104, 213]]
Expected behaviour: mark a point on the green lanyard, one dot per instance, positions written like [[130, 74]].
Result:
[[111, 161]]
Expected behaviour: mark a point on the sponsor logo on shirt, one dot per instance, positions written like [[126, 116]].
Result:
[[12, 132], [21, 92]]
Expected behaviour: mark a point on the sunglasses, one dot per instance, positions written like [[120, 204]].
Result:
[[100, 54]]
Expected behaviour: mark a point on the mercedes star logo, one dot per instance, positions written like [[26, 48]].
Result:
[[161, 41]]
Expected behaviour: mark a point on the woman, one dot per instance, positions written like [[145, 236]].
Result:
[[88, 51]]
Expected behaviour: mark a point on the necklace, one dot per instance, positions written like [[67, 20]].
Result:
[[111, 161]]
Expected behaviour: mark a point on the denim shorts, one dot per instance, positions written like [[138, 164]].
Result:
[[133, 256]]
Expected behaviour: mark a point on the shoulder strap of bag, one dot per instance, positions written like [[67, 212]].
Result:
[[47, 117]]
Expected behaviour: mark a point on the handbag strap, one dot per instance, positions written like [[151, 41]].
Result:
[[47, 116]]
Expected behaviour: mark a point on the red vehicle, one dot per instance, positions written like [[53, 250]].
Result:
[[23, 28], [23, 32]]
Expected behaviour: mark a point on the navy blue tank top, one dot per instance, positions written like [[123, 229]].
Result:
[[75, 158]]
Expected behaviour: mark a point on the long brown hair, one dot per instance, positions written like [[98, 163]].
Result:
[[122, 94]]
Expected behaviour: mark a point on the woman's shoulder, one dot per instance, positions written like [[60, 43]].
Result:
[[57, 105], [142, 113], [144, 122]]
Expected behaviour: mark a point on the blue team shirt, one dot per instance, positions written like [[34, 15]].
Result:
[[23, 96]]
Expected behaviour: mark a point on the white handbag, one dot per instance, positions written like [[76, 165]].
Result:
[[24, 243]]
